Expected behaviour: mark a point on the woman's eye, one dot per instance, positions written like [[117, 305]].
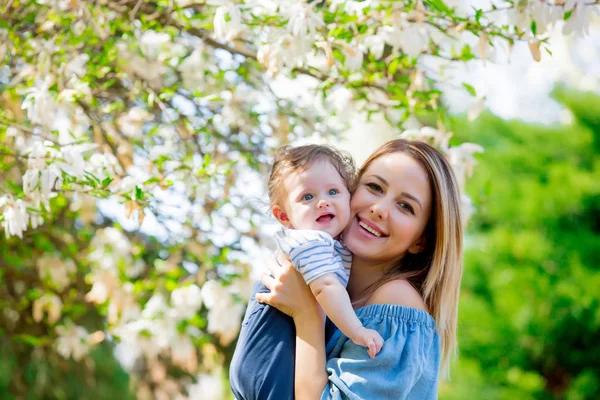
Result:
[[333, 192], [307, 197], [406, 207], [375, 187]]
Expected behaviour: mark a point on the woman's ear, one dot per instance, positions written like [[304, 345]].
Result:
[[281, 216], [418, 246]]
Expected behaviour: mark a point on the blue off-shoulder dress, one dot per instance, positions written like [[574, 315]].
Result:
[[407, 367]]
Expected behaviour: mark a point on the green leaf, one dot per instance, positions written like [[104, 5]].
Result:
[[533, 27], [470, 89], [139, 194], [106, 181], [567, 15], [439, 5], [393, 67]]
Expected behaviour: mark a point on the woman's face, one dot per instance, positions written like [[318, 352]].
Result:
[[389, 210]]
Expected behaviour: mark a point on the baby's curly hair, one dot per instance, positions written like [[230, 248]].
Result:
[[289, 160]]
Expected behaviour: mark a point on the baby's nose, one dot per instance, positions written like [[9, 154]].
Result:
[[323, 203]]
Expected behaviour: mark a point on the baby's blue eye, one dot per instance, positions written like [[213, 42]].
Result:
[[307, 197], [333, 192]]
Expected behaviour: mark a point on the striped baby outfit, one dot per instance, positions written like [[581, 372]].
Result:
[[315, 253]]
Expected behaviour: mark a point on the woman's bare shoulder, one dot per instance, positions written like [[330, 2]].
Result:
[[399, 292]]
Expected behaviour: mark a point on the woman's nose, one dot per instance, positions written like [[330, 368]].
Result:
[[378, 212]]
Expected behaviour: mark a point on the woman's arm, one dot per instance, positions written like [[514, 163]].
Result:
[[290, 294], [311, 376]]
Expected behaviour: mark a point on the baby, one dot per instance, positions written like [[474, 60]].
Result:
[[309, 192]]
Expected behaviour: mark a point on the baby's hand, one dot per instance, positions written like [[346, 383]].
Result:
[[368, 338]]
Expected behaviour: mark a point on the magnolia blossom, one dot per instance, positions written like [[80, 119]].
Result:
[[303, 20], [186, 300], [77, 65], [154, 44], [579, 21], [56, 270], [104, 284], [354, 58], [375, 44], [183, 351], [430, 135], [224, 312], [269, 56], [192, 69], [131, 124], [15, 216], [412, 38], [72, 342], [208, 386], [39, 103], [462, 159], [476, 108], [228, 30], [50, 304]]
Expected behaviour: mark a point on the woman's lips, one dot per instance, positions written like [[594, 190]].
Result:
[[370, 227]]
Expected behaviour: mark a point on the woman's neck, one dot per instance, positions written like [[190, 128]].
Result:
[[362, 275]]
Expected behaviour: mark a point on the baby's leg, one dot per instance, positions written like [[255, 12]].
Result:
[[263, 362]]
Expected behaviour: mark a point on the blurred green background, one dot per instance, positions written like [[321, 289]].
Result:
[[529, 311]]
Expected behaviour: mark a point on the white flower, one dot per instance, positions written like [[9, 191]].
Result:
[[224, 314], [56, 270], [127, 185], [353, 58], [72, 342], [228, 30], [303, 20], [375, 44], [131, 124], [137, 338], [192, 69], [48, 303], [467, 208], [153, 44], [186, 300], [104, 284], [463, 161], [15, 218], [340, 99], [38, 152], [122, 304], [270, 57], [165, 149], [476, 108], [78, 65], [579, 22], [430, 135], [414, 39], [183, 353], [74, 164], [156, 307], [208, 386], [39, 103]]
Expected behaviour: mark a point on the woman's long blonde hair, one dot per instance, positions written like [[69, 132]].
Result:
[[436, 272]]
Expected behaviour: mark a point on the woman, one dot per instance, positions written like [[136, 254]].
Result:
[[406, 238]]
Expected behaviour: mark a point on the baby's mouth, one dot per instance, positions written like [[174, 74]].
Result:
[[325, 218]]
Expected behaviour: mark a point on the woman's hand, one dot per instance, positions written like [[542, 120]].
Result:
[[289, 292]]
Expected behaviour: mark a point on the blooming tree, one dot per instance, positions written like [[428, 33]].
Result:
[[169, 109]]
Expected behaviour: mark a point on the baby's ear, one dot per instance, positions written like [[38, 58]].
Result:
[[281, 216]]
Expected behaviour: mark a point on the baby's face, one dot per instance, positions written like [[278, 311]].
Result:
[[318, 199]]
